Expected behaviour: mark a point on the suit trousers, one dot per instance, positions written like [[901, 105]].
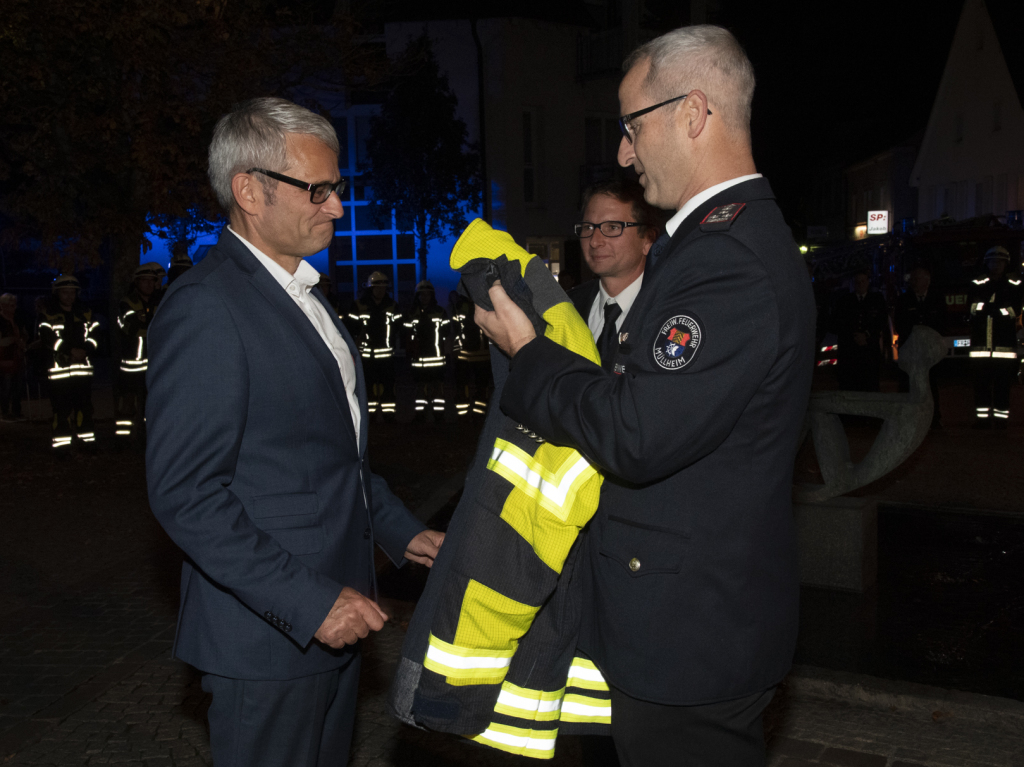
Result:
[[304, 722], [725, 734]]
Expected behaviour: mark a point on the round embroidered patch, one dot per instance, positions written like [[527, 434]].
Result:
[[678, 342]]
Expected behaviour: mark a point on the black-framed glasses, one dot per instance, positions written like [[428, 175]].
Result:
[[318, 193], [585, 229], [625, 120]]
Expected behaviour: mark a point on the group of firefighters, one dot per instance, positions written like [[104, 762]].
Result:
[[431, 338], [68, 333]]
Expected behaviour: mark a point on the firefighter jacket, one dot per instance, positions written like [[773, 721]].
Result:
[[428, 330], [491, 649], [375, 325], [133, 316], [62, 331], [995, 306], [471, 343]]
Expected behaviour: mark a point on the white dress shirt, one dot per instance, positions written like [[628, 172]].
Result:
[[698, 199], [298, 286], [624, 299]]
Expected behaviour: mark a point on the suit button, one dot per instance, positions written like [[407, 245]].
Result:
[[287, 627], [268, 615], [366, 533], [634, 564]]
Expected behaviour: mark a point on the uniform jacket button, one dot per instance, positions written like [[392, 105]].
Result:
[[634, 564], [268, 615], [366, 533], [287, 627]]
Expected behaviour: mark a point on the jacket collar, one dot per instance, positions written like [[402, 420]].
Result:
[[286, 308]]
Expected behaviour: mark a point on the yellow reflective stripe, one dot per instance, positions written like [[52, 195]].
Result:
[[553, 491], [583, 673], [480, 666], [581, 708], [539, 744], [525, 703]]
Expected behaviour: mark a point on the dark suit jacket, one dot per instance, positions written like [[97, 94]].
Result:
[[690, 573], [253, 471], [910, 312], [582, 297], [868, 316]]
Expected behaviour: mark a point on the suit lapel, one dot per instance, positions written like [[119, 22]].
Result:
[[288, 310], [357, 363]]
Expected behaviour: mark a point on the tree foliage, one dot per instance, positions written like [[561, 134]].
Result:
[[107, 107], [422, 166]]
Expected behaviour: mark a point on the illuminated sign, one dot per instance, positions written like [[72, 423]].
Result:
[[878, 221]]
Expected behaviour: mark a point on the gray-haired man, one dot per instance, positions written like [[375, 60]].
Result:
[[257, 462]]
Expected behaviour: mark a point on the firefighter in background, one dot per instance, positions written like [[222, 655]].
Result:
[[861, 324], [67, 331], [995, 306], [427, 327], [133, 316], [180, 264], [473, 360], [374, 319]]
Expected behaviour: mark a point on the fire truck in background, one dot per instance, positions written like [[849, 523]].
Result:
[[952, 250]]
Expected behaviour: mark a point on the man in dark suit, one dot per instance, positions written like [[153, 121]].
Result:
[[257, 462], [616, 233], [861, 324], [689, 570], [920, 305]]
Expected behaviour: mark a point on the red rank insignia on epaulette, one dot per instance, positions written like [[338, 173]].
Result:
[[722, 217]]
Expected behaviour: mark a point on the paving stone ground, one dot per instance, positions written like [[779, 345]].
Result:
[[88, 592]]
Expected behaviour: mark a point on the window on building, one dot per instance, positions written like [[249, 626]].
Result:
[[999, 200]]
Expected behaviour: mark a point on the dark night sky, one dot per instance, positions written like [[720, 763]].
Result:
[[837, 82]]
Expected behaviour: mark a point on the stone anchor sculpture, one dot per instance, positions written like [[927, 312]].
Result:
[[837, 537]]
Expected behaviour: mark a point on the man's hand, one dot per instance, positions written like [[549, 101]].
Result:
[[507, 326], [423, 548], [352, 618]]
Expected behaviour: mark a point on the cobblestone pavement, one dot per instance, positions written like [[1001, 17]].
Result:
[[88, 591]]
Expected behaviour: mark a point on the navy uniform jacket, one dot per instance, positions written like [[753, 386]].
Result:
[[911, 312], [868, 316], [690, 573], [253, 471]]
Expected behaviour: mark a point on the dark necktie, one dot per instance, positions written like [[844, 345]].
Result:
[[608, 343]]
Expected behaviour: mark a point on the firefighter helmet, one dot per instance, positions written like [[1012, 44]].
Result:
[[66, 281], [997, 252], [424, 285], [151, 269], [378, 279], [182, 260]]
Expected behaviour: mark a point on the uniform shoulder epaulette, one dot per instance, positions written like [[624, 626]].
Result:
[[721, 219]]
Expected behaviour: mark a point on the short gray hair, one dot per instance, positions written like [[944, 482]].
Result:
[[253, 135], [8, 298], [703, 57]]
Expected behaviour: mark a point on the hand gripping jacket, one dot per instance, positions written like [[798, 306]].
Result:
[[491, 648]]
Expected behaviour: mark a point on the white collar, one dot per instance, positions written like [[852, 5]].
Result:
[[306, 276], [625, 297], [698, 199]]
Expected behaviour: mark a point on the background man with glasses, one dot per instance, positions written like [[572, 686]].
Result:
[[256, 456], [689, 568], [616, 233]]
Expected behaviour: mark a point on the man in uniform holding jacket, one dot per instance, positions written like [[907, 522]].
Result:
[[689, 569]]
